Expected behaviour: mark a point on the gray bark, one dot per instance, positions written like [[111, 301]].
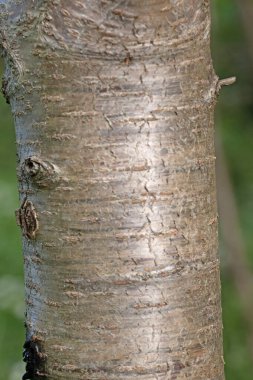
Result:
[[113, 106]]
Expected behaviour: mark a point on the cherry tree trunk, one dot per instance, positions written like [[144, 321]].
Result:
[[113, 106]]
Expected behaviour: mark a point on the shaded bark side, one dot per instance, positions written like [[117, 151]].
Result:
[[113, 106]]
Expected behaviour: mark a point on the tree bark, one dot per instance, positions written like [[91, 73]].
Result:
[[113, 105]]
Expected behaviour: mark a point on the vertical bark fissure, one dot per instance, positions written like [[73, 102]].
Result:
[[113, 106]]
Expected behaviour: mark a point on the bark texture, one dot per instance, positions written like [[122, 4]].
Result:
[[113, 106]]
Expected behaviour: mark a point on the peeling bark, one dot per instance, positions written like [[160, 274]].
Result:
[[113, 106]]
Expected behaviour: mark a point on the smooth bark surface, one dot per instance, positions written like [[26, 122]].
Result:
[[113, 106]]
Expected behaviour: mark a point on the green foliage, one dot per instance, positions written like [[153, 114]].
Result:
[[11, 268], [237, 356], [235, 121]]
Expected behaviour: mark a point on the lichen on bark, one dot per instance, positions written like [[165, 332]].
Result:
[[113, 106]]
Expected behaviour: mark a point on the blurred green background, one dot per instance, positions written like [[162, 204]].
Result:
[[232, 50]]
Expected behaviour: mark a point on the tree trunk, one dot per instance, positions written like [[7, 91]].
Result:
[[113, 106]]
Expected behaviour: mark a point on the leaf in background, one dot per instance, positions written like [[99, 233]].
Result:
[[17, 371], [12, 295]]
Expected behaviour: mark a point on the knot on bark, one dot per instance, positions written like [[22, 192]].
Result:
[[41, 173], [27, 219]]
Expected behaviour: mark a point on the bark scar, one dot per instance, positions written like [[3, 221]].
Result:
[[34, 359], [26, 218], [5, 90]]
